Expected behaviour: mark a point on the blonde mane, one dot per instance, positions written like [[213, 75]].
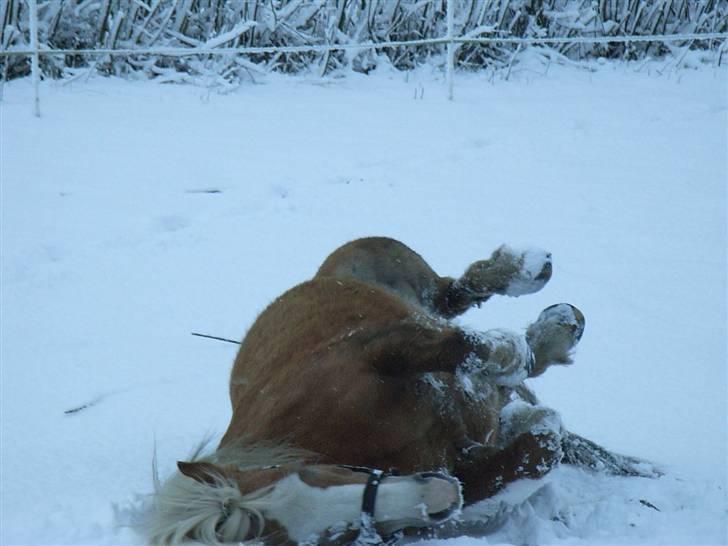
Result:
[[183, 507]]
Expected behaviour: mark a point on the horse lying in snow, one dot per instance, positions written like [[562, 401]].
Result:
[[359, 366]]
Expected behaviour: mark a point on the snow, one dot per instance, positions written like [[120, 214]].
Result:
[[112, 252]]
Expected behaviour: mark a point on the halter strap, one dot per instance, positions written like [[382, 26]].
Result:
[[369, 499], [367, 531]]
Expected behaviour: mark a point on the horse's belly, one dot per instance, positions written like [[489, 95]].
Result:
[[351, 416]]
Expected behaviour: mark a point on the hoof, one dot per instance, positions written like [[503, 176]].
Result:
[[533, 271], [508, 272], [565, 316], [554, 335]]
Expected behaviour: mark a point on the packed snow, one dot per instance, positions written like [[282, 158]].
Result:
[[134, 213]]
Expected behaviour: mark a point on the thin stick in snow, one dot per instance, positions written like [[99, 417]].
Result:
[[91, 403], [215, 337]]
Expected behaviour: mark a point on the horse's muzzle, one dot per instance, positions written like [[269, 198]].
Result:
[[442, 495]]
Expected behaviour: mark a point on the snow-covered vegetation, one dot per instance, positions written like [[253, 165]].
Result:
[[138, 24], [134, 213]]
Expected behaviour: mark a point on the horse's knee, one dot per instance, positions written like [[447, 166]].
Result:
[[529, 455], [502, 357], [533, 435], [519, 417], [537, 453]]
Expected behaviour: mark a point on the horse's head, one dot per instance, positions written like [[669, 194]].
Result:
[[224, 503]]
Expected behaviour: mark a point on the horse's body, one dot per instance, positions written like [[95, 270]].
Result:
[[357, 365], [326, 367], [360, 366]]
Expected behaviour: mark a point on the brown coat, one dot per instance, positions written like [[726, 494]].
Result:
[[342, 368]]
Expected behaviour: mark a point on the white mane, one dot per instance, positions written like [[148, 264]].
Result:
[[183, 507]]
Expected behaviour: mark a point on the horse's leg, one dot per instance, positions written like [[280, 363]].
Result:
[[409, 347], [498, 356], [586, 454], [529, 446], [487, 470], [579, 451], [508, 272], [553, 336], [393, 265]]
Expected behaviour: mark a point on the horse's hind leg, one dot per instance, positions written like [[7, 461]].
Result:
[[396, 267], [506, 358], [508, 272], [405, 347], [497, 356], [553, 336]]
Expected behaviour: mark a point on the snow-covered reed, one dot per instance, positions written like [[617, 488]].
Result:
[[140, 24]]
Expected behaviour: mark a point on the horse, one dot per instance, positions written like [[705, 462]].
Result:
[[360, 366]]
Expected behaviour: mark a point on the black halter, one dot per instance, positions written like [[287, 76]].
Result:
[[367, 531]]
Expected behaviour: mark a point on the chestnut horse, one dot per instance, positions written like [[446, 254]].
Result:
[[360, 366]]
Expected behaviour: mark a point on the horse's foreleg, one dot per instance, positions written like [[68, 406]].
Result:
[[486, 470], [529, 446], [586, 454], [579, 451]]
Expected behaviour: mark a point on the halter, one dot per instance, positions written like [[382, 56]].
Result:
[[367, 531]]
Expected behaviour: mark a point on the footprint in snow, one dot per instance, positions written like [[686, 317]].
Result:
[[171, 223]]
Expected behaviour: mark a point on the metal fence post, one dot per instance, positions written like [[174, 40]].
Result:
[[450, 48], [34, 59]]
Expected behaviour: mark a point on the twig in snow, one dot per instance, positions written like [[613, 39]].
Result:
[[643, 502], [77, 409], [215, 337], [208, 190]]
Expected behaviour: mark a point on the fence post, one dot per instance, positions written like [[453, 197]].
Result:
[[450, 48], [34, 60]]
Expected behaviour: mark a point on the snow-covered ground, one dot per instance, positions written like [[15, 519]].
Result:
[[113, 251]]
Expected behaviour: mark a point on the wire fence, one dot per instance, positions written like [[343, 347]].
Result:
[[450, 40]]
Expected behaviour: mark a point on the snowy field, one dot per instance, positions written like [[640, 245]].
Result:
[[114, 250]]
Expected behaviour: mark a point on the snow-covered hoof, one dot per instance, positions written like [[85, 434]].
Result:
[[509, 271], [554, 335]]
